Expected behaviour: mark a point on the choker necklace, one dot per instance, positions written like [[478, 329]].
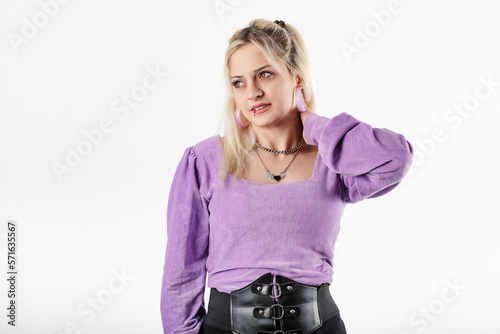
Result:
[[301, 141], [282, 175]]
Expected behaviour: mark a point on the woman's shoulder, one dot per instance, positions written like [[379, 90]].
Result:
[[209, 141], [208, 153], [208, 147]]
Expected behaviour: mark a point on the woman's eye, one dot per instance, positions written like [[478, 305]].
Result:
[[265, 74], [236, 84]]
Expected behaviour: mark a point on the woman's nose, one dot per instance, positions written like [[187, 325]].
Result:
[[254, 91]]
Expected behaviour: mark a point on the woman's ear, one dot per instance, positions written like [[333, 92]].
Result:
[[298, 80]]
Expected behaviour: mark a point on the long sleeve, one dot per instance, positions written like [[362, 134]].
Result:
[[183, 285], [369, 161]]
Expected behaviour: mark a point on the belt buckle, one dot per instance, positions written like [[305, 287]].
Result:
[[272, 290], [249, 305], [282, 311]]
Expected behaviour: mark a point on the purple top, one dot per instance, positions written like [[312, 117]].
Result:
[[244, 229]]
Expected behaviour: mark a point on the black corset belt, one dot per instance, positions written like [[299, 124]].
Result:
[[264, 307]]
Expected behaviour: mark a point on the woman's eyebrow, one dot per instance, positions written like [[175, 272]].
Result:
[[255, 71]]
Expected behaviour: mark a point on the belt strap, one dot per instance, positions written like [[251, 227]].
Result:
[[261, 305], [283, 307]]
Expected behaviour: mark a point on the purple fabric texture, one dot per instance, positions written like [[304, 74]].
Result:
[[242, 230]]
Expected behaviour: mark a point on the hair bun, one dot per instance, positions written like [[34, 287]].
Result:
[[281, 23]]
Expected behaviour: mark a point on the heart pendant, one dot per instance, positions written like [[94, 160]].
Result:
[[277, 177]]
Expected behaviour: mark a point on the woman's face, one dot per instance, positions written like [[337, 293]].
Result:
[[256, 83]]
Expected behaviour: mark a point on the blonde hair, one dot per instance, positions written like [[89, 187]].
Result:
[[275, 43]]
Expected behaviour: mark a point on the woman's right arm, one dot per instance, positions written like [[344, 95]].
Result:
[[369, 161], [183, 285]]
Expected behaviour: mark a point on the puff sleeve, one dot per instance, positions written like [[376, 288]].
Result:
[[369, 161], [184, 274]]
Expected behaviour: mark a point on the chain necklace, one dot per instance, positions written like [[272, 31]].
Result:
[[301, 141], [282, 175]]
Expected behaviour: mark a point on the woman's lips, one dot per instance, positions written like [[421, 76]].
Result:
[[260, 111]]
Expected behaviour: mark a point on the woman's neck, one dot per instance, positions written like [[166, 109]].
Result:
[[279, 138]]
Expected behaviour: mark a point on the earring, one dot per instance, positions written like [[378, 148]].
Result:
[[238, 118], [301, 104]]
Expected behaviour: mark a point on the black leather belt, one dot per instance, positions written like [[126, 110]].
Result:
[[266, 307]]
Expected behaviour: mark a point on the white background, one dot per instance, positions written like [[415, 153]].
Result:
[[395, 254]]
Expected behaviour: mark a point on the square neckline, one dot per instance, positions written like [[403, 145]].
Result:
[[287, 183]]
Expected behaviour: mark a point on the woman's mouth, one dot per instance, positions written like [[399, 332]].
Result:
[[261, 109]]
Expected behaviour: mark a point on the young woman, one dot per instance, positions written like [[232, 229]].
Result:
[[259, 209]]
